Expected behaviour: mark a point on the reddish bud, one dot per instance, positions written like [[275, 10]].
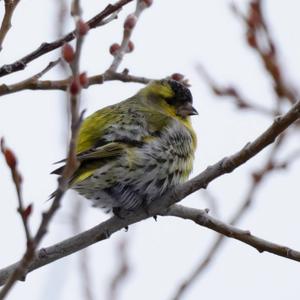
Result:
[[251, 39], [74, 87], [10, 158], [255, 6], [177, 76], [82, 27], [27, 211], [130, 47], [256, 177], [148, 3], [114, 48], [130, 22], [83, 80], [254, 19], [68, 53]]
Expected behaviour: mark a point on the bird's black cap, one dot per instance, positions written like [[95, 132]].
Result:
[[182, 93]]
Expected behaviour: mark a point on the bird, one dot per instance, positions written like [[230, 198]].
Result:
[[132, 152]]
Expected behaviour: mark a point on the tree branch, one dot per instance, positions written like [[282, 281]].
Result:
[[25, 84], [99, 20], [230, 91], [160, 206], [30, 84], [202, 218], [260, 40], [10, 6], [257, 179], [63, 182], [129, 25]]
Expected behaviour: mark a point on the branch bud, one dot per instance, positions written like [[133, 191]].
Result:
[[74, 87], [114, 48], [177, 76], [130, 22], [148, 3], [27, 211], [83, 80], [82, 27], [251, 39], [68, 53], [10, 158]]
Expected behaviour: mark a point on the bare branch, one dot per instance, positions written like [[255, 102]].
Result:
[[24, 84], [160, 206], [10, 6], [18, 272], [12, 163], [260, 40], [230, 91], [129, 24], [71, 165], [99, 20], [202, 218], [63, 84], [257, 178]]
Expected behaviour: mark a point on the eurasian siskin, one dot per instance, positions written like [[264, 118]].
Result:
[[130, 153]]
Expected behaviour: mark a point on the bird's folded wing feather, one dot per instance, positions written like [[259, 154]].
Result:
[[107, 133]]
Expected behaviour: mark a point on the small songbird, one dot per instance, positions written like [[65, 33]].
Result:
[[130, 153]]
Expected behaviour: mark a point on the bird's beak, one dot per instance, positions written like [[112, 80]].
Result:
[[187, 110], [193, 111]]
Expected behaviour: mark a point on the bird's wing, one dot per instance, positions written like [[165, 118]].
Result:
[[92, 160], [128, 122], [111, 132]]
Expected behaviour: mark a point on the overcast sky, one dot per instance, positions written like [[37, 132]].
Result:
[[172, 36]]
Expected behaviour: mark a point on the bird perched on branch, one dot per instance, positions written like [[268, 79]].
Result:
[[130, 153]]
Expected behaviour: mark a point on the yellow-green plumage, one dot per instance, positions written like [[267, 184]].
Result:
[[132, 152]]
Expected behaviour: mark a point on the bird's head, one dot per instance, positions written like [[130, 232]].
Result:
[[170, 96]]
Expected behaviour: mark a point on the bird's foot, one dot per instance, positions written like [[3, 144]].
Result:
[[145, 207], [119, 213]]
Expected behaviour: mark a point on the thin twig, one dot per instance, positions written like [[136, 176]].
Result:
[[99, 20], [202, 218], [12, 162], [105, 229], [232, 92], [259, 38], [10, 6], [159, 206], [71, 165], [63, 84], [31, 81], [129, 24]]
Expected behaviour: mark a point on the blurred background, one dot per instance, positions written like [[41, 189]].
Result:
[[156, 257]]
